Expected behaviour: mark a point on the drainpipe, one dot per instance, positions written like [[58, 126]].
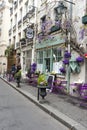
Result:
[[69, 40], [35, 29]]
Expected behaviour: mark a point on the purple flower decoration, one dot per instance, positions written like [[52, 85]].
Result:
[[82, 33], [80, 59], [33, 67], [67, 54], [62, 70], [66, 61], [34, 64]]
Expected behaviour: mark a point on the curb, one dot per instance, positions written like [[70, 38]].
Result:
[[68, 122]]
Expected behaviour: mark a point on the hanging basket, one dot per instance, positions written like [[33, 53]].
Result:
[[65, 61], [62, 70], [80, 59], [67, 54]]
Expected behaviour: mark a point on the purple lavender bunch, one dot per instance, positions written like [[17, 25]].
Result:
[[33, 67], [62, 70], [80, 59], [82, 33], [66, 61], [67, 54]]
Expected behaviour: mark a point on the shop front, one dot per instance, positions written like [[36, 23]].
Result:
[[49, 54]]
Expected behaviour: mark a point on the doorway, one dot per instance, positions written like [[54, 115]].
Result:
[[47, 64]]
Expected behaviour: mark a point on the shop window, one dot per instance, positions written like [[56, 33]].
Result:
[[57, 54], [43, 24], [40, 57]]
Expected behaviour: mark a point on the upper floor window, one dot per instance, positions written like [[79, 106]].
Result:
[[15, 18], [26, 7], [43, 23], [11, 23], [20, 13]]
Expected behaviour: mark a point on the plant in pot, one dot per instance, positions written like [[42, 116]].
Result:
[[42, 83]]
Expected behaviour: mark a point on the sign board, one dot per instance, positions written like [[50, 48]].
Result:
[[29, 33]]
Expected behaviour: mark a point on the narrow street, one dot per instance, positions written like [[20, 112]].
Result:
[[18, 113]]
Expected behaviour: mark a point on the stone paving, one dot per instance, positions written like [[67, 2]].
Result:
[[67, 105]]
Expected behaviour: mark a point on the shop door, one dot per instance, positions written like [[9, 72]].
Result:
[[47, 65]]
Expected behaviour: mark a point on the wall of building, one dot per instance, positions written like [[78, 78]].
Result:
[[4, 26]]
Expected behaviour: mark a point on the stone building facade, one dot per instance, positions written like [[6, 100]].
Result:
[[4, 26], [42, 35]]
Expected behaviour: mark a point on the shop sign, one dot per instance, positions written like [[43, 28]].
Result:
[[29, 33]]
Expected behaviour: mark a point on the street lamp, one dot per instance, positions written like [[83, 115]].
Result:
[[61, 9]]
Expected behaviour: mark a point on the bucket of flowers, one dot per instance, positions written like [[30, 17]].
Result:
[[42, 85]]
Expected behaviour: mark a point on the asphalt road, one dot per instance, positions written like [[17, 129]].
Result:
[[18, 113]]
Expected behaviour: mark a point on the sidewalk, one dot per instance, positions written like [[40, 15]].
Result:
[[62, 107]]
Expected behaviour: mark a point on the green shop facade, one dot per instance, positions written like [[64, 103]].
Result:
[[49, 54]]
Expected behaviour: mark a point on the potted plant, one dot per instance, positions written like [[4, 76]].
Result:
[[42, 84]]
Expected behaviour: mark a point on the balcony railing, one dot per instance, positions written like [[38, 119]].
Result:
[[11, 11], [10, 30], [23, 42], [19, 23], [15, 4], [14, 28], [17, 44], [24, 18]]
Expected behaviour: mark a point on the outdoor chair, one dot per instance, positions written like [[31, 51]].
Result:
[[83, 94], [58, 86]]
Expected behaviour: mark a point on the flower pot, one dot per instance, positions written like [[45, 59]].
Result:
[[42, 91]]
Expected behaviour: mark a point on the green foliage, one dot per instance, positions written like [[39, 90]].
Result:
[[9, 50], [42, 80]]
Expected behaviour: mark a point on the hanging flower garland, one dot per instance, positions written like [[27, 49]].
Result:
[[83, 32]]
